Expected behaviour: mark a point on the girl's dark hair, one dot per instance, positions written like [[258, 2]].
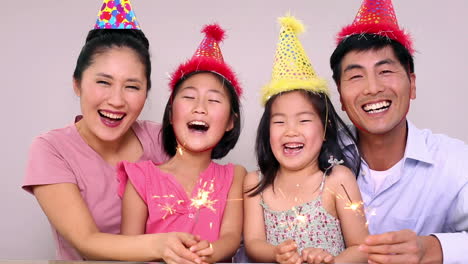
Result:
[[365, 42], [229, 139], [332, 146], [100, 40]]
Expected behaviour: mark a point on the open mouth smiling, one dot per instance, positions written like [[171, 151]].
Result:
[[375, 108], [198, 126], [291, 148], [111, 116]]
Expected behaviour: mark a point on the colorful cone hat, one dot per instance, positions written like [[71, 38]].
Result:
[[377, 17], [116, 14], [292, 69], [207, 58]]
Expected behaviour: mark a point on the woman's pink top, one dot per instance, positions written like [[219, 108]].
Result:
[[62, 156], [170, 209]]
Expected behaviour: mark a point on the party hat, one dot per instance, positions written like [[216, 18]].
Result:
[[116, 14], [377, 17], [207, 58], [292, 69]]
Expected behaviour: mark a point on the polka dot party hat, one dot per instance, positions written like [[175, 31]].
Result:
[[207, 58], [292, 69], [377, 17], [116, 14]]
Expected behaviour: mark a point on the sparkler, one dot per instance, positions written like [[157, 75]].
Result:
[[298, 220], [180, 147], [202, 199], [180, 150], [167, 208], [351, 205], [355, 206]]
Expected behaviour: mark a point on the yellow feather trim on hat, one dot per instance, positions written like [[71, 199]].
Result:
[[316, 85], [293, 23]]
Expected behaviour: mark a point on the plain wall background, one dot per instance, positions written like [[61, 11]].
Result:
[[40, 42]]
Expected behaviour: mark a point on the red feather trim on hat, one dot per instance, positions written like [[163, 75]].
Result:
[[214, 31], [384, 30], [201, 64]]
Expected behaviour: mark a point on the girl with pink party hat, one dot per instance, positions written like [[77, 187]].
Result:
[[191, 193]]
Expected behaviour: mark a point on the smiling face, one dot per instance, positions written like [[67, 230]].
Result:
[[201, 112], [375, 90], [112, 94], [296, 131]]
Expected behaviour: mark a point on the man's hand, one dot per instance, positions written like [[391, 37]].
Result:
[[402, 246], [286, 253]]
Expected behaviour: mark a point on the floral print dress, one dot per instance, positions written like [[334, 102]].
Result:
[[309, 224]]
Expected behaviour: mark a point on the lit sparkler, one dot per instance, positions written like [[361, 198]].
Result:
[[356, 206], [202, 199], [167, 207], [298, 221], [180, 150], [351, 205]]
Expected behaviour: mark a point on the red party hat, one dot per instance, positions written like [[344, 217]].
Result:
[[208, 57], [377, 17]]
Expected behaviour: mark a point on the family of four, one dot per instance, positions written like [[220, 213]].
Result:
[[379, 191]]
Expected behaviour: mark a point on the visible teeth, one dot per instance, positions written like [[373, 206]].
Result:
[[376, 107], [377, 111], [294, 145], [198, 123], [111, 115]]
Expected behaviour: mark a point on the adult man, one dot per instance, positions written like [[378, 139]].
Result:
[[414, 183]]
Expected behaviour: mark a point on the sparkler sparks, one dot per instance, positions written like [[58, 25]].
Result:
[[180, 150], [299, 220], [350, 204], [203, 197], [167, 207]]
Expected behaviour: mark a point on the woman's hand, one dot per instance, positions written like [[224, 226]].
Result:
[[317, 256], [286, 253]]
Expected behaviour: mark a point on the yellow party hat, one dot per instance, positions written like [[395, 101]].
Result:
[[292, 69]]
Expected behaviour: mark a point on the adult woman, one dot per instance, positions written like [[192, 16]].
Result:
[[71, 170]]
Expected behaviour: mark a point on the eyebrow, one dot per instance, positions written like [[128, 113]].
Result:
[[306, 113], [386, 61], [110, 77], [352, 67], [379, 63], [298, 114], [277, 114], [211, 90]]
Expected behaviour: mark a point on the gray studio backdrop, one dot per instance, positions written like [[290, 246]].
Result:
[[40, 41]]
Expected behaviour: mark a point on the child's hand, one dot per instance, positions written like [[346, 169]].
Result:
[[317, 256], [176, 248], [286, 253], [203, 249]]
